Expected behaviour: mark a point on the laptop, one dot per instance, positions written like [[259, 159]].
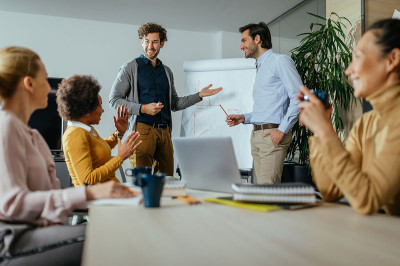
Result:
[[207, 163]]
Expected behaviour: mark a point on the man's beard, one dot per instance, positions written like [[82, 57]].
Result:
[[251, 52], [153, 56]]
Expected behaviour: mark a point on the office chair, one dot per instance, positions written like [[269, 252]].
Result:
[[79, 218], [122, 174], [245, 173]]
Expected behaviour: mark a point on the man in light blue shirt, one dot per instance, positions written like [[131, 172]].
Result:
[[275, 105]]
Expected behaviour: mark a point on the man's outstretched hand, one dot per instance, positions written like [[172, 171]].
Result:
[[207, 92]]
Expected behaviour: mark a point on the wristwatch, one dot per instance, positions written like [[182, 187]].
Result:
[[118, 135]]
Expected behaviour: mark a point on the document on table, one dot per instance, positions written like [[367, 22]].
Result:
[[135, 201]]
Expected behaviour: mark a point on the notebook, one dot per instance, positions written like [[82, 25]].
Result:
[[294, 192], [174, 188], [243, 205], [135, 201], [207, 163], [259, 206]]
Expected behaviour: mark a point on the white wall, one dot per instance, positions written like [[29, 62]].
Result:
[[75, 46], [229, 45]]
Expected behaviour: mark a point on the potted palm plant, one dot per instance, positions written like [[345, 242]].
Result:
[[320, 60]]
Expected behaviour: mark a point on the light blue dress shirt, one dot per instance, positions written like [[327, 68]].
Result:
[[274, 92]]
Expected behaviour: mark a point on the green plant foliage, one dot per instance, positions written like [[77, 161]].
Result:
[[320, 60]]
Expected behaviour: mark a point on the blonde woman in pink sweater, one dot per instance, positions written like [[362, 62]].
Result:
[[30, 196]]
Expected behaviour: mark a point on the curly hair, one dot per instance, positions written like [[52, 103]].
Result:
[[152, 28], [77, 96], [16, 63]]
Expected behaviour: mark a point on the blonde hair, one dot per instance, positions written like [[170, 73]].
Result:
[[16, 63]]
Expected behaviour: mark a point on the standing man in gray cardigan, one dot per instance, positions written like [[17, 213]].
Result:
[[146, 86]]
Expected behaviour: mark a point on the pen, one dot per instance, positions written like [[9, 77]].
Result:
[[188, 199], [224, 110]]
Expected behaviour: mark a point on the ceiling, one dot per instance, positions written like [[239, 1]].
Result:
[[192, 15]]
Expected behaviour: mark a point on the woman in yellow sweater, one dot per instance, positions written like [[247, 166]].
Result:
[[367, 169], [87, 155]]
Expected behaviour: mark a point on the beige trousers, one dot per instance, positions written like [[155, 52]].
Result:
[[268, 159], [156, 150]]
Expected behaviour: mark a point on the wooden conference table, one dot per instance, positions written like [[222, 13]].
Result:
[[212, 234]]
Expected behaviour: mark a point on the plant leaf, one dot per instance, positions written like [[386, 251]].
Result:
[[316, 16]]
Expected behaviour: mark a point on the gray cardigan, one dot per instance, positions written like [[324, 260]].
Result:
[[125, 92]]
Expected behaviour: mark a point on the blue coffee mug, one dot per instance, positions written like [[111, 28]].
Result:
[[152, 187], [134, 172]]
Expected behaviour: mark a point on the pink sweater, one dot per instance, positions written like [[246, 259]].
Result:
[[29, 189]]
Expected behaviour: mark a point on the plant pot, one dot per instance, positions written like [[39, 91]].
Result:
[[293, 172]]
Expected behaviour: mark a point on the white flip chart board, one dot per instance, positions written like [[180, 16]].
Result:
[[206, 118]]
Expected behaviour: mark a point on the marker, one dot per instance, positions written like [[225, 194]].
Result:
[[158, 104]]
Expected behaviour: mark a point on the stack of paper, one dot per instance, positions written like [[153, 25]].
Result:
[[135, 201], [174, 188], [275, 193]]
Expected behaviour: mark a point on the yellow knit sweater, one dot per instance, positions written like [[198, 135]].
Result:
[[88, 157], [367, 170]]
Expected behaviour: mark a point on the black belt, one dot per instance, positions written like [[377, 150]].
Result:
[[155, 125], [265, 126]]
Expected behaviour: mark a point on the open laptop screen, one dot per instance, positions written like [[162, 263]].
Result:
[[207, 163]]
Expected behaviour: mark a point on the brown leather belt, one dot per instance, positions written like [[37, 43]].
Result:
[[155, 125], [160, 126], [265, 126]]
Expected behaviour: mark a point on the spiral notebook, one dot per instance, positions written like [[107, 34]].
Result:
[[275, 193], [174, 188]]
